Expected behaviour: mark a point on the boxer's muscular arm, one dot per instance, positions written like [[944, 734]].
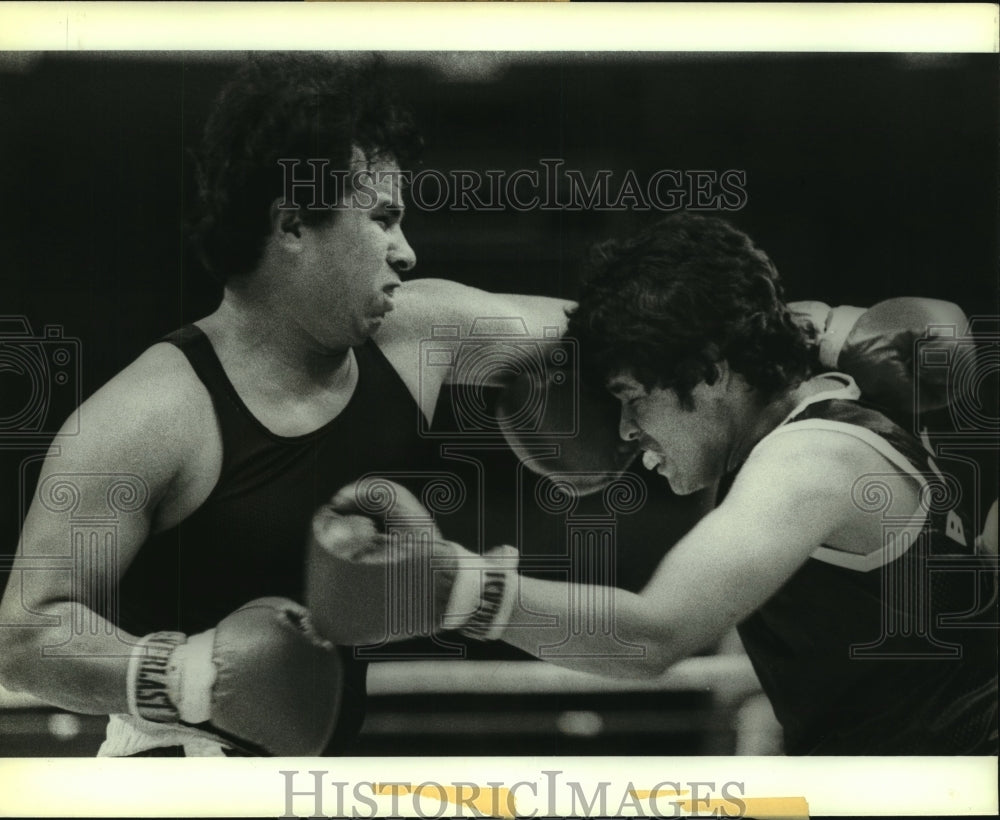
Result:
[[781, 508], [424, 306], [139, 424]]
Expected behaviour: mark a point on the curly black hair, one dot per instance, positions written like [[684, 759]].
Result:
[[684, 294], [287, 106]]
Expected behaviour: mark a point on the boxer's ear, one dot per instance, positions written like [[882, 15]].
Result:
[[716, 368], [286, 226], [718, 380]]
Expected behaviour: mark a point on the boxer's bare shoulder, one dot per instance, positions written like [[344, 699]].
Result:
[[844, 483], [154, 420]]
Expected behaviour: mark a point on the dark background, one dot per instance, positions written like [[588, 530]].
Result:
[[868, 176]]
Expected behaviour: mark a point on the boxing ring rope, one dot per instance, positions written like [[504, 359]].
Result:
[[728, 677], [730, 674]]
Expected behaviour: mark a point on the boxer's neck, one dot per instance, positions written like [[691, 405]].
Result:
[[275, 352], [764, 418], [758, 418]]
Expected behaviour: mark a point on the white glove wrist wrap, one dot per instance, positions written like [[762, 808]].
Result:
[[148, 681], [839, 325], [170, 677], [195, 676], [482, 597]]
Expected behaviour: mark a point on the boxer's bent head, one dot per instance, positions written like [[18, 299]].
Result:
[[663, 317], [298, 108], [686, 293]]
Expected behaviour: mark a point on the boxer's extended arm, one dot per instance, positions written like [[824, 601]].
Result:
[[131, 434], [878, 347], [450, 314], [442, 302], [793, 494], [859, 340]]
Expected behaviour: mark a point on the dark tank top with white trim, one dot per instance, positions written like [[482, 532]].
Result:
[[893, 653], [248, 539]]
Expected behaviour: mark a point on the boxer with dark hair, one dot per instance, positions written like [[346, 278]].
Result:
[[290, 108], [233, 430], [837, 549], [639, 310], [187, 626]]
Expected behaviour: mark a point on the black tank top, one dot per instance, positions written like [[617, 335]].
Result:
[[897, 657], [248, 539]]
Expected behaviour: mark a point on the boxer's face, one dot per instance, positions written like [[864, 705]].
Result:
[[687, 447], [353, 263]]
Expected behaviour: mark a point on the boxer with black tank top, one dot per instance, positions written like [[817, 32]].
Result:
[[214, 450], [248, 538]]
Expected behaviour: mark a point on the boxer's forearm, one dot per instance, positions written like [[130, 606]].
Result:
[[539, 312], [626, 642], [85, 675]]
